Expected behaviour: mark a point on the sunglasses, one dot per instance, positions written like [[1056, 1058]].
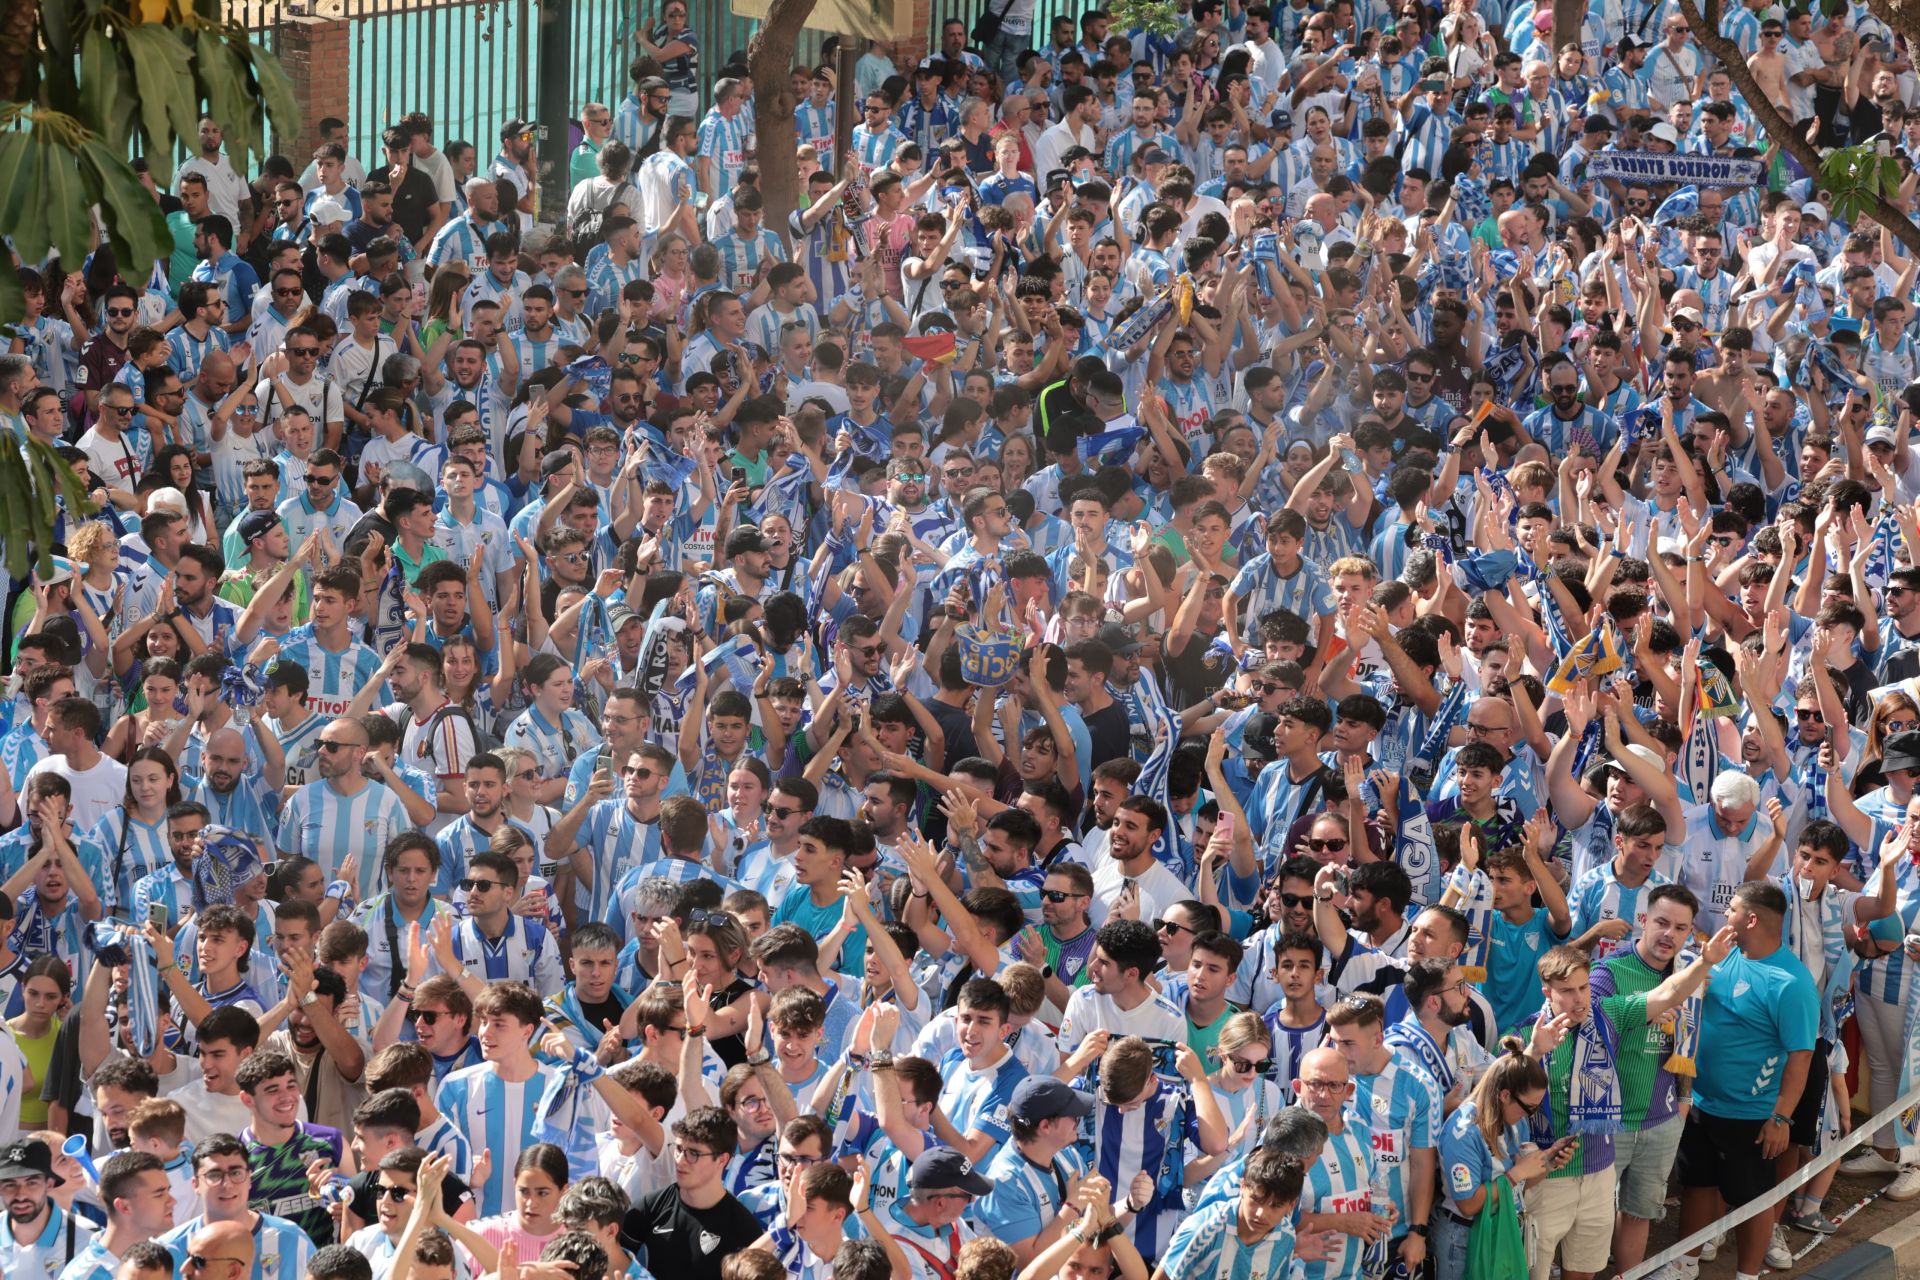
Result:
[[1295, 901], [385, 1192], [782, 812], [1246, 1066], [426, 1017], [1168, 926], [477, 886], [1057, 896], [1334, 845], [122, 312], [1804, 716], [330, 747]]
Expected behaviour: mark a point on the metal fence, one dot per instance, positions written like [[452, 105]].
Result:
[[473, 64]]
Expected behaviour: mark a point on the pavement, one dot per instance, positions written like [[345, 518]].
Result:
[[1880, 1242]]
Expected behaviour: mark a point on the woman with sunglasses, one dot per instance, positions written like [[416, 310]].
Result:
[[1245, 1087], [1895, 712]]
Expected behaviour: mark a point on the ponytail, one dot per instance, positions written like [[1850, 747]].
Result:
[[1513, 1072]]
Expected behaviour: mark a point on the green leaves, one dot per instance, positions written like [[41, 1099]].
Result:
[[135, 223], [1859, 178], [106, 88], [163, 70]]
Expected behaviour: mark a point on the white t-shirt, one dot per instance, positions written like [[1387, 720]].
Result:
[[96, 793], [1089, 1011]]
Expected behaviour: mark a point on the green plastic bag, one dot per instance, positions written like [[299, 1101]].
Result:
[[1496, 1248]]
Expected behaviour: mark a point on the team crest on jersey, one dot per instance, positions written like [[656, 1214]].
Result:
[[708, 1242]]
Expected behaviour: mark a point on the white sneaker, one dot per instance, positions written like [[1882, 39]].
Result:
[[1681, 1268], [1779, 1252], [1906, 1186], [1868, 1161], [1711, 1249]]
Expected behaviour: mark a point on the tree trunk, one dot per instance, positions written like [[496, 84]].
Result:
[[1704, 17], [1904, 21], [776, 141], [19, 34], [1568, 15]]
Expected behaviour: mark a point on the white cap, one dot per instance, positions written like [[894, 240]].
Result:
[[326, 212], [1814, 209], [1883, 435], [1665, 132]]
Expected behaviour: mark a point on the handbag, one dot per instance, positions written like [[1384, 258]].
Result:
[[987, 25], [1496, 1247]]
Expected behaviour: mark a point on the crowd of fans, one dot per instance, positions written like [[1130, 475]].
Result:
[[1289, 647]]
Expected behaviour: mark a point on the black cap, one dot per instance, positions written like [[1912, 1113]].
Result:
[[1038, 1098], [1597, 124], [256, 524], [1256, 735], [944, 1169], [1119, 640], [1281, 120], [28, 1158], [1058, 178], [515, 127], [746, 538]]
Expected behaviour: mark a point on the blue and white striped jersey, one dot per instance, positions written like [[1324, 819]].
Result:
[[281, 1249], [1150, 1137], [503, 1119], [1208, 1247], [327, 826], [1026, 1196], [527, 952], [1341, 1181], [1403, 1110], [333, 675], [1260, 590]]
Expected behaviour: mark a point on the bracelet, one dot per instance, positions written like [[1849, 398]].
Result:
[[405, 994], [171, 965], [928, 896], [696, 1033]]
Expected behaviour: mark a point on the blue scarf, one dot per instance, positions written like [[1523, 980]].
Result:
[[1408, 1034], [1593, 1089]]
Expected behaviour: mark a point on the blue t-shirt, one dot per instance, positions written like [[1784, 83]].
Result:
[[1513, 975], [1755, 1013]]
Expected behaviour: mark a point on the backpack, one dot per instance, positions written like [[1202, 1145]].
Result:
[[588, 227], [484, 741]]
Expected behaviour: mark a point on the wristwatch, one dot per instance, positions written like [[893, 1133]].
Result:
[[759, 1059], [1780, 1119], [1421, 1229], [1046, 971], [309, 998]]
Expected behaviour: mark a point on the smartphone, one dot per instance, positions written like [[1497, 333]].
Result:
[[739, 475], [157, 914], [604, 765], [1342, 882], [1428, 86]]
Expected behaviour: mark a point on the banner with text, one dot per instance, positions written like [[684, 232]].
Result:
[[1651, 168]]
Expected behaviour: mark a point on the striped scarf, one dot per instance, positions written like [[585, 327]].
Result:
[[1414, 846], [1421, 765], [1685, 1058], [1593, 1089], [1165, 727], [1476, 904], [120, 945]]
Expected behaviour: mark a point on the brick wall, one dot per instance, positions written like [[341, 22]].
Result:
[[314, 52]]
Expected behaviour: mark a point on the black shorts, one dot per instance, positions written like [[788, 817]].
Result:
[[1806, 1116], [1725, 1155]]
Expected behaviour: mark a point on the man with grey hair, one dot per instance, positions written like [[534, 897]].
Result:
[[16, 379]]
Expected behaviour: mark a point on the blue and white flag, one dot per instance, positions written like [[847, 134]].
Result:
[[1113, 446], [1638, 424], [663, 463], [1413, 846], [595, 372], [1683, 203], [1164, 724]]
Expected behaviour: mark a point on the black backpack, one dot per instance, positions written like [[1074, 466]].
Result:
[[484, 741], [589, 227]]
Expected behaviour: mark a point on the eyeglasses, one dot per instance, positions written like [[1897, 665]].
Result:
[[1334, 845], [682, 1150], [224, 1177], [870, 650], [387, 1192], [1902, 726], [329, 746], [122, 312], [1487, 728], [1169, 926], [1322, 1086], [790, 1161], [478, 886], [199, 1262]]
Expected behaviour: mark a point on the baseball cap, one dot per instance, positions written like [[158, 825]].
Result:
[[256, 524], [32, 1158], [556, 462], [1652, 757], [619, 616], [1256, 736], [515, 127], [746, 538], [1058, 178], [1119, 640], [60, 570], [944, 1169], [1038, 1098], [326, 211], [1153, 155], [1281, 120], [1814, 209], [653, 84], [1628, 44], [1690, 314], [1882, 435]]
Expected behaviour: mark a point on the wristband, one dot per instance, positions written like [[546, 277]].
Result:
[[339, 890], [586, 1066], [171, 965], [404, 995], [696, 1033]]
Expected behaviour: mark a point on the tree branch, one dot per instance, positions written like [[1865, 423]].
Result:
[[770, 64], [1706, 32]]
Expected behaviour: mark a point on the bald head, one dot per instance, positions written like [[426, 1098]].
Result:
[[217, 375], [221, 1245]]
